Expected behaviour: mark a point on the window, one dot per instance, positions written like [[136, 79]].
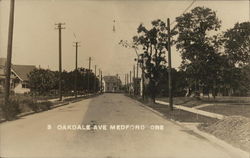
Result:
[[23, 85]]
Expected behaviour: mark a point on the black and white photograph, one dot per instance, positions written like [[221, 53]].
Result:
[[124, 79]]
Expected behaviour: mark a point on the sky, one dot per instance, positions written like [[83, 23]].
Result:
[[91, 22]]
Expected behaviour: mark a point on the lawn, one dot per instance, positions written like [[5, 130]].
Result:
[[181, 115], [192, 102], [228, 106]]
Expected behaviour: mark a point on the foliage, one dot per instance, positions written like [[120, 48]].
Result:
[[46, 105], [206, 66], [11, 109], [178, 83], [199, 51], [42, 80], [154, 43], [31, 104], [235, 72], [237, 43], [83, 77]]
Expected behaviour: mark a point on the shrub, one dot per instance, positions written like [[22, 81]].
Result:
[[45, 105], [33, 105], [11, 109]]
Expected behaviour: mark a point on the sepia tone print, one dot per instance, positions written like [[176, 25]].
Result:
[[124, 79]]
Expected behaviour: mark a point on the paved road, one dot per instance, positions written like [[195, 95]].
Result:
[[30, 136]]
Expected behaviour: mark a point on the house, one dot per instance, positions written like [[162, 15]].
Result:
[[19, 77], [111, 84]]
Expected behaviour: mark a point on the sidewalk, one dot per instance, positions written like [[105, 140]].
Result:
[[194, 110]]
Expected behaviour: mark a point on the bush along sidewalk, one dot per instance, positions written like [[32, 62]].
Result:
[[19, 107], [15, 107], [10, 109]]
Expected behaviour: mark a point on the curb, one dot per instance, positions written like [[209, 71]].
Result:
[[160, 114]]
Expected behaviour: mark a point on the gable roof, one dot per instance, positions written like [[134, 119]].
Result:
[[22, 71]]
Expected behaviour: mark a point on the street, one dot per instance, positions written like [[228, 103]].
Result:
[[43, 134]]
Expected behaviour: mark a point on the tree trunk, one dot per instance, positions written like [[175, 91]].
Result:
[[214, 88]]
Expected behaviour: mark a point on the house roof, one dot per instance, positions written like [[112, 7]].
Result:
[[111, 79], [22, 71]]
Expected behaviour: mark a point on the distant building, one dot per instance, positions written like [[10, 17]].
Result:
[[111, 84], [19, 77]]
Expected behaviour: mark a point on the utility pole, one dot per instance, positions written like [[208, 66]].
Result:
[[59, 27], [142, 81], [9, 52], [76, 70], [126, 82], [137, 69], [101, 81], [95, 80], [134, 79], [89, 73], [117, 82], [130, 82], [169, 68]]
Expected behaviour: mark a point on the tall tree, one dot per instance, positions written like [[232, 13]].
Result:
[[154, 44], [199, 49], [237, 43], [237, 53]]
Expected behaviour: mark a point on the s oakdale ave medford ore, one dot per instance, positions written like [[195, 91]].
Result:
[[124, 79]]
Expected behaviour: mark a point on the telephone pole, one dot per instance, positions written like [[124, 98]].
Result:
[[89, 73], [134, 79], [95, 80], [76, 70], [130, 81], [9, 52], [59, 27], [143, 86], [101, 82], [169, 68], [137, 69], [125, 83]]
